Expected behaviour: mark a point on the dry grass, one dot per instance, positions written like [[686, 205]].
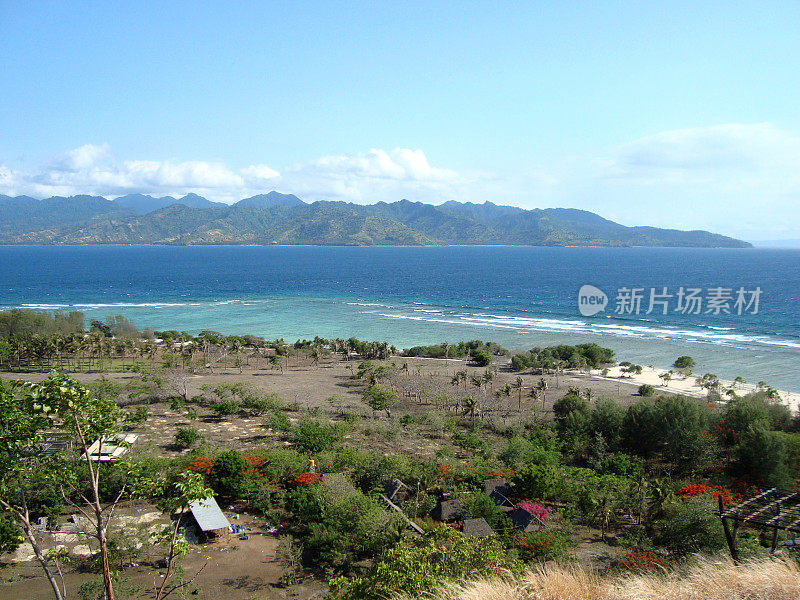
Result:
[[704, 579]]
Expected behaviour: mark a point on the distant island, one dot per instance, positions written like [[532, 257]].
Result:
[[276, 218]]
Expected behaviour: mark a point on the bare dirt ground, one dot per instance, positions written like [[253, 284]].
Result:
[[242, 570]]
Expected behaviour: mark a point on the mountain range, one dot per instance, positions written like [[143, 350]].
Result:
[[276, 218]]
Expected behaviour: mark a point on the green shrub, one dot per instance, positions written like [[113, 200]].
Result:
[[540, 546], [256, 405], [176, 402], [481, 358], [227, 475], [415, 566], [646, 390], [226, 408], [186, 437], [137, 416], [520, 362], [479, 505], [690, 526], [278, 421], [10, 536], [313, 436]]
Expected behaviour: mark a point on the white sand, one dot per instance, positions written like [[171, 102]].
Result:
[[688, 386]]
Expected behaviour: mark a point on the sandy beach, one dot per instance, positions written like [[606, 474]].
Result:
[[687, 386]]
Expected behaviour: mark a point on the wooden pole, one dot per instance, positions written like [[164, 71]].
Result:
[[730, 539]]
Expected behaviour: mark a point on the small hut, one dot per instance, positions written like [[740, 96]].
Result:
[[477, 528], [448, 510], [500, 491], [209, 518], [525, 521]]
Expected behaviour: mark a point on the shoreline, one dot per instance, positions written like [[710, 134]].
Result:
[[687, 386]]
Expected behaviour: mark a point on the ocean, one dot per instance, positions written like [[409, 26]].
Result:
[[520, 297]]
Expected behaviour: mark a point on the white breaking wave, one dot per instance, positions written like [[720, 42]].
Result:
[[721, 336]]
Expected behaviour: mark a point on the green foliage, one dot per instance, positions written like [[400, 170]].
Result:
[[347, 529], [186, 437], [10, 536], [226, 408], [380, 397], [762, 454], [417, 565], [313, 436], [22, 323], [227, 475], [646, 390], [279, 421], [675, 427], [480, 505], [689, 526], [540, 546], [607, 419], [258, 405], [481, 358], [568, 404], [684, 362], [523, 451]]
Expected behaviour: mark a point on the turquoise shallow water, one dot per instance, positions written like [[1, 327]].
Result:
[[517, 296]]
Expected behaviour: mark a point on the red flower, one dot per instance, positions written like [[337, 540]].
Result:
[[308, 479]]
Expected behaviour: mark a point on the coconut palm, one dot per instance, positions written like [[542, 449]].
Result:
[[519, 385]]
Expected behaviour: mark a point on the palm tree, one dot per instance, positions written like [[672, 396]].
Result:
[[488, 377], [542, 386], [469, 404], [518, 385], [534, 394]]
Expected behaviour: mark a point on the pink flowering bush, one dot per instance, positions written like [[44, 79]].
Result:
[[540, 511]]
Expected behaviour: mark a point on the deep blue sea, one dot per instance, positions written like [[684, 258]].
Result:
[[518, 296]]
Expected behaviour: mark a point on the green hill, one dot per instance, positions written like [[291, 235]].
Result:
[[285, 219]]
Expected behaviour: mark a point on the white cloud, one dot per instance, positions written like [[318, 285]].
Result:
[[374, 176], [739, 179]]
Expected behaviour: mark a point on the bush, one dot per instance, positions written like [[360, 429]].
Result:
[[10, 536], [278, 421], [186, 437], [646, 390], [690, 526], [227, 475], [138, 416], [520, 362], [550, 544], [312, 436], [258, 406], [569, 404], [226, 408], [480, 505], [417, 565], [684, 362], [481, 358]]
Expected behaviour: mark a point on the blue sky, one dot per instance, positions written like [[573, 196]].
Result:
[[673, 114]]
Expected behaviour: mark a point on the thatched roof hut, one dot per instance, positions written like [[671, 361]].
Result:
[[498, 490], [448, 510], [477, 528], [525, 521]]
